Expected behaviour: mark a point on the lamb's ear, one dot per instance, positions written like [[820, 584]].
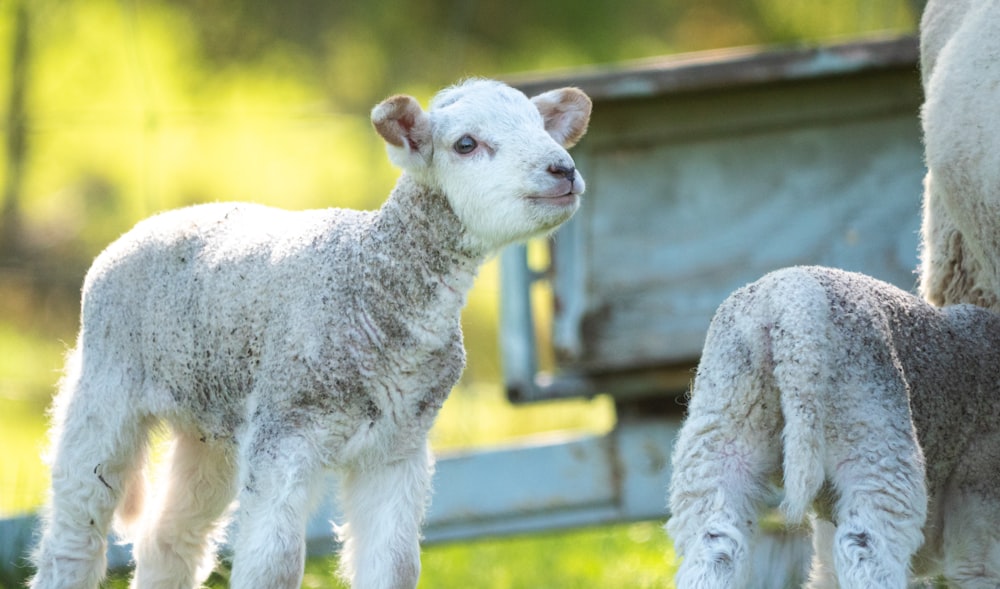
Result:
[[406, 129], [566, 112]]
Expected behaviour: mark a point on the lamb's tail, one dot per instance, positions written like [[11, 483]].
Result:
[[804, 447], [801, 343]]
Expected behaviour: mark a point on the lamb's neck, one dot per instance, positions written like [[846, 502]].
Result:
[[419, 238]]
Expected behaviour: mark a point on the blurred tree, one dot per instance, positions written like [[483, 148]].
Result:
[[15, 132], [431, 41]]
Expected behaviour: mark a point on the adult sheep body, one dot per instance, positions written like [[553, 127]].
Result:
[[277, 345], [959, 50], [868, 404]]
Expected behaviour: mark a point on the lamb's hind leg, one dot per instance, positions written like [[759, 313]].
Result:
[[175, 547], [721, 466], [881, 510], [972, 543], [717, 492], [971, 515], [98, 445]]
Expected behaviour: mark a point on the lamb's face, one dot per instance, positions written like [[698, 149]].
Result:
[[499, 157]]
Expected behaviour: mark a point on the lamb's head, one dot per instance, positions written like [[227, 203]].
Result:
[[499, 157]]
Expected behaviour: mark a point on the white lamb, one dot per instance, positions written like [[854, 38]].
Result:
[[279, 344], [869, 404], [960, 50]]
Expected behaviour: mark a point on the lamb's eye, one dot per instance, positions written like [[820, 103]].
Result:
[[465, 145]]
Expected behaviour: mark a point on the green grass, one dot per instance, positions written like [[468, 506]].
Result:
[[626, 556], [23, 479], [629, 556], [29, 368]]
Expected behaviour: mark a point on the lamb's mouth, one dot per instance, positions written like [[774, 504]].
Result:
[[561, 200]]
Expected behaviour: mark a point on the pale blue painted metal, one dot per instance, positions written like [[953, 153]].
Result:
[[711, 174]]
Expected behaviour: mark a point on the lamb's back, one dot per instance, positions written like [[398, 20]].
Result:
[[212, 292], [945, 357]]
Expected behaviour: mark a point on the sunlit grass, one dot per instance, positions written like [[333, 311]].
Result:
[[29, 367], [627, 556], [480, 415], [22, 479], [29, 364], [630, 556]]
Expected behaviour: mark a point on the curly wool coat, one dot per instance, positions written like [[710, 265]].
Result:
[[864, 402]]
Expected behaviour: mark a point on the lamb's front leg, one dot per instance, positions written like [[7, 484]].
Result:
[[385, 507], [280, 478]]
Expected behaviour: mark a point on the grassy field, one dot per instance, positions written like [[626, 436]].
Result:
[[632, 556]]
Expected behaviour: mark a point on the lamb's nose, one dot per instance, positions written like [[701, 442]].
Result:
[[565, 171]]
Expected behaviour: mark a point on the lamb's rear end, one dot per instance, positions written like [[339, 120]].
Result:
[[799, 380]]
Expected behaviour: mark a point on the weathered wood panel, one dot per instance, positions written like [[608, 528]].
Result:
[[696, 187], [675, 228]]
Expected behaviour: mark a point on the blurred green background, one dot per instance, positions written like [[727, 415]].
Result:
[[115, 109]]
